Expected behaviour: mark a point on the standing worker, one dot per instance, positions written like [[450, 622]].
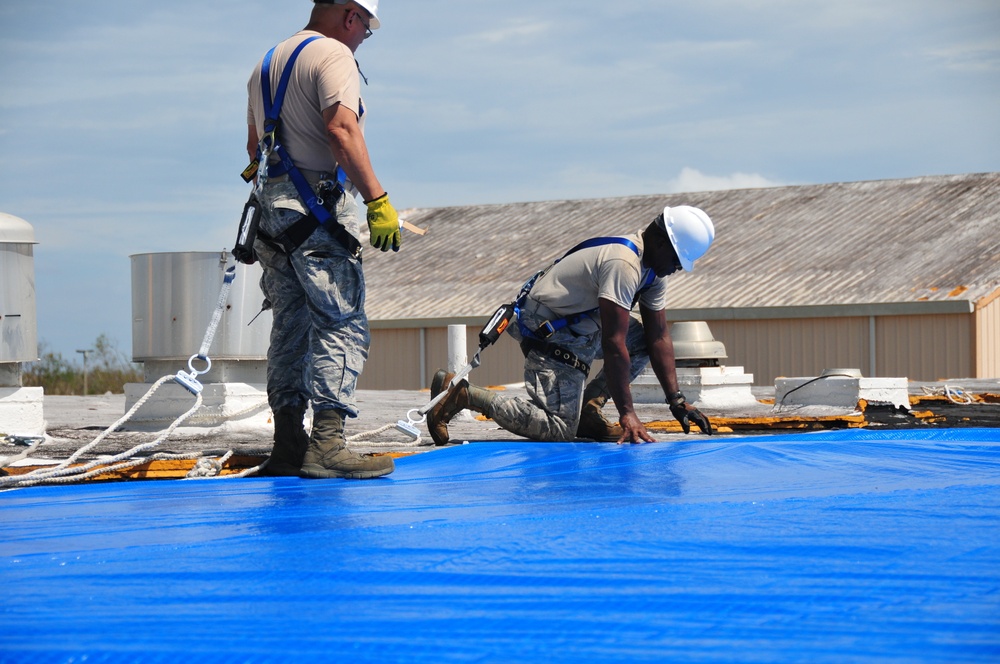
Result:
[[305, 122], [578, 310]]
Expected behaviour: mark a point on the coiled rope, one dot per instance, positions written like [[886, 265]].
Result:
[[954, 393], [64, 474], [205, 467]]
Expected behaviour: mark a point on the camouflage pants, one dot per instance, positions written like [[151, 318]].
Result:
[[320, 336], [555, 390]]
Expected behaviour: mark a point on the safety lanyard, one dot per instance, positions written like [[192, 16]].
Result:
[[548, 328]]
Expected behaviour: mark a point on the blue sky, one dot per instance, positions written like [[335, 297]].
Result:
[[123, 123]]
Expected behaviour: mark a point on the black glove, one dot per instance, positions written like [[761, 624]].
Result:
[[683, 412]]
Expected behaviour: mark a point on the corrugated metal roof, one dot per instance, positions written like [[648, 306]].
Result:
[[892, 241]]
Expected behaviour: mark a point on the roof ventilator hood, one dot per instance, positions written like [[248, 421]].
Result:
[[694, 345]]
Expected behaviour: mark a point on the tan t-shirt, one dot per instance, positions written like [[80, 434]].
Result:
[[610, 271], [324, 74]]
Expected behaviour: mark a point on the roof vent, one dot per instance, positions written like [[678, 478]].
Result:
[[846, 373], [694, 345], [18, 328]]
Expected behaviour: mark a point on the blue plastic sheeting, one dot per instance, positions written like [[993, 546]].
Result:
[[842, 546]]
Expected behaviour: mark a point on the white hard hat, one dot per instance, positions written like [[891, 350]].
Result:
[[371, 6], [690, 231]]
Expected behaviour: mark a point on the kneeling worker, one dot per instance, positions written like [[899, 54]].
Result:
[[578, 310]]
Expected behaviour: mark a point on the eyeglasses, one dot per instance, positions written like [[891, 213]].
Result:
[[368, 29]]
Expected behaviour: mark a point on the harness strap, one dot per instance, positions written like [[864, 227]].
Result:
[[557, 353], [550, 327], [600, 241], [272, 105], [296, 234]]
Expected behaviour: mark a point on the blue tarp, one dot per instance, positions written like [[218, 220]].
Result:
[[831, 547]]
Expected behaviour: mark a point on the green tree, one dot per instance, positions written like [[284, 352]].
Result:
[[108, 370]]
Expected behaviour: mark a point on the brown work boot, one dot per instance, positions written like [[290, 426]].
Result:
[[593, 424], [290, 443], [327, 455], [451, 405]]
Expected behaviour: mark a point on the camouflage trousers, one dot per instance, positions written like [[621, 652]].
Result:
[[320, 336], [551, 412]]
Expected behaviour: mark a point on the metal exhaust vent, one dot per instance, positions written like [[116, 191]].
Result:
[[18, 326], [694, 345]]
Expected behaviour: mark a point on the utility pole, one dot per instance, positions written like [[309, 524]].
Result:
[[85, 353]]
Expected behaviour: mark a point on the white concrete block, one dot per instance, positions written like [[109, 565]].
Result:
[[21, 412], [841, 391], [708, 387], [226, 407]]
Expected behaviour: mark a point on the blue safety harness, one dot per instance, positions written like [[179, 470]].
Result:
[[298, 232], [537, 339], [550, 327]]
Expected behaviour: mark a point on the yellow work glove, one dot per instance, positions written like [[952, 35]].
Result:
[[383, 224]]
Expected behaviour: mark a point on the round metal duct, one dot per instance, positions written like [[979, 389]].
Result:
[[694, 344], [18, 323]]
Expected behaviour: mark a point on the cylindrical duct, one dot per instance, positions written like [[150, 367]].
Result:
[[174, 296], [18, 322]]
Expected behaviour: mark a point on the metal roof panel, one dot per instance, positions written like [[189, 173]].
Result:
[[933, 238]]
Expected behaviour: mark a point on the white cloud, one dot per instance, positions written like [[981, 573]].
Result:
[[981, 57], [691, 179], [517, 31]]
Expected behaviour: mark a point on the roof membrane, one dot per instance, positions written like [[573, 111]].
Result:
[[853, 545]]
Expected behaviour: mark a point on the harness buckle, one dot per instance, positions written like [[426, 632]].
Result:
[[545, 330], [268, 140]]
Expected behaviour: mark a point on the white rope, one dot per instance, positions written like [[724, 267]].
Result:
[[62, 473], [205, 467], [6, 461], [955, 393], [368, 435], [248, 471], [206, 418], [102, 470]]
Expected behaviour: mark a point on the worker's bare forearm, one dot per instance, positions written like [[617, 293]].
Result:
[[660, 347], [661, 359], [347, 143], [617, 371]]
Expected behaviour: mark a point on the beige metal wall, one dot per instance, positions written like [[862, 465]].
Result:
[[394, 360], [918, 347], [794, 347], [926, 348], [988, 339]]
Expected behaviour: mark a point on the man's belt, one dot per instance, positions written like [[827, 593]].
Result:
[[311, 176], [557, 353], [292, 237]]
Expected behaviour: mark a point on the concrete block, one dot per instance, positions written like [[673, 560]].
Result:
[[21, 412], [226, 407], [841, 391], [708, 387]]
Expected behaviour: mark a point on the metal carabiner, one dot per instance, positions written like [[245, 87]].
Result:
[[189, 380]]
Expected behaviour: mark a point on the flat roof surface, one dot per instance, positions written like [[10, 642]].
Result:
[[859, 545], [73, 422]]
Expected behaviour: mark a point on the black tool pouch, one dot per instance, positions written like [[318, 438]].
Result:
[[243, 250]]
